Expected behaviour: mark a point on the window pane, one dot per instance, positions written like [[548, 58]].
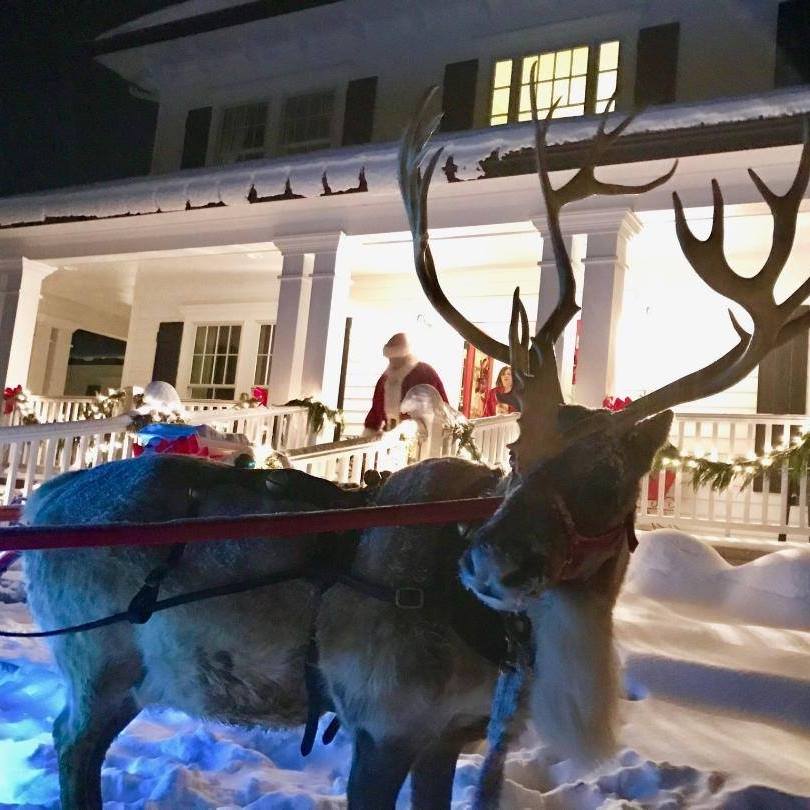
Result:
[[208, 368], [211, 340], [196, 367], [503, 73], [499, 119], [579, 61], [222, 339], [199, 340], [606, 85], [219, 369], [546, 70], [577, 91], [561, 91], [562, 67], [233, 345], [600, 105], [544, 95], [527, 68], [608, 56], [500, 102], [230, 370], [261, 368]]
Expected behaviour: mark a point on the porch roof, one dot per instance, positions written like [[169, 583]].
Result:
[[722, 125]]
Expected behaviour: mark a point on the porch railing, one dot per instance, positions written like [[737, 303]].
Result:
[[71, 408], [31, 454], [771, 505]]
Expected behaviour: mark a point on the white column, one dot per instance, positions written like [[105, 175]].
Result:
[[291, 321], [20, 288], [328, 303], [609, 233], [549, 295], [311, 315], [57, 372]]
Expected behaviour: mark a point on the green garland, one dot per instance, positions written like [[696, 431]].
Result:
[[719, 475], [317, 413], [105, 405], [462, 431], [140, 417]]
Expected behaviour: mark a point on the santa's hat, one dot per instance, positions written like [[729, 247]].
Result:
[[397, 346]]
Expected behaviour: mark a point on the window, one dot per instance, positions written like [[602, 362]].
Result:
[[242, 133], [213, 366], [264, 354], [306, 123], [583, 78]]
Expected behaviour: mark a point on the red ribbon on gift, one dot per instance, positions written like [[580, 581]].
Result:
[[182, 446]]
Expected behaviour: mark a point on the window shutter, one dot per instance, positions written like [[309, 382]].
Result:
[[458, 95], [358, 117], [195, 143], [167, 351], [657, 64], [793, 43]]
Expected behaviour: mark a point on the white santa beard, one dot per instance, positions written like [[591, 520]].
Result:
[[393, 387]]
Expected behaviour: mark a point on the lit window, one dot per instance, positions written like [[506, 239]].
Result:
[[213, 366], [581, 79], [242, 133], [264, 354], [306, 123]]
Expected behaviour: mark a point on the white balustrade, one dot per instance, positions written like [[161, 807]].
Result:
[[31, 454], [345, 462], [770, 506], [492, 434]]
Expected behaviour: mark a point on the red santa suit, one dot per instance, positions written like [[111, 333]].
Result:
[[395, 383]]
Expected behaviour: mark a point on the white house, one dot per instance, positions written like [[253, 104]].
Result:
[[269, 244]]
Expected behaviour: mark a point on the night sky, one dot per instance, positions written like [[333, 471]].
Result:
[[64, 118]]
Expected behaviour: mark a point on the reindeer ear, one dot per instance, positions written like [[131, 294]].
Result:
[[642, 441]]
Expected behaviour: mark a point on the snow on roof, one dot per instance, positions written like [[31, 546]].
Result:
[[230, 184], [179, 11]]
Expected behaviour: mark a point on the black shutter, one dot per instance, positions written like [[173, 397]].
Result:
[[458, 95], [657, 64], [195, 143], [167, 352], [793, 43], [358, 118]]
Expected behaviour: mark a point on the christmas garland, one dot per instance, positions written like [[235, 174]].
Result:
[[105, 406], [144, 414], [16, 399], [708, 470], [317, 413], [462, 432]]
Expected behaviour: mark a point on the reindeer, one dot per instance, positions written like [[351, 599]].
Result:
[[411, 683], [407, 684]]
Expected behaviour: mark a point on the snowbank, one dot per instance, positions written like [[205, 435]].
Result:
[[718, 714]]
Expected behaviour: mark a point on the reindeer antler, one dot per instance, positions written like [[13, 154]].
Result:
[[534, 368], [774, 324]]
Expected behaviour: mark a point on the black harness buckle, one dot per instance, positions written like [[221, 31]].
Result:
[[409, 598]]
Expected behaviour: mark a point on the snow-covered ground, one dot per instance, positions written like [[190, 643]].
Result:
[[717, 671]]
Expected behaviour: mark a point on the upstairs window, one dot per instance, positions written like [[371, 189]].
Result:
[[306, 123], [264, 355], [583, 78], [213, 366], [243, 133]]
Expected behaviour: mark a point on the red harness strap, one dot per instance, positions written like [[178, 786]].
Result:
[[587, 553]]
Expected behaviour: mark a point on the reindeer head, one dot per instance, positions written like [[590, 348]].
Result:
[[576, 472]]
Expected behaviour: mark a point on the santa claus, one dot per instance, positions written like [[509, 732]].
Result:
[[403, 373]]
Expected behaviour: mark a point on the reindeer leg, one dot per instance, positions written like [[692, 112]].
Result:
[[100, 704], [433, 773], [378, 770]]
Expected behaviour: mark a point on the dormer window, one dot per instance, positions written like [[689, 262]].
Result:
[[306, 123], [243, 133], [583, 78]]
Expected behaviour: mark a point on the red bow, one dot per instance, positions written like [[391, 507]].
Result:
[[10, 397], [259, 393], [616, 403]]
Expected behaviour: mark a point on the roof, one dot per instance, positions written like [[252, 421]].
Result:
[[730, 124], [195, 17]]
